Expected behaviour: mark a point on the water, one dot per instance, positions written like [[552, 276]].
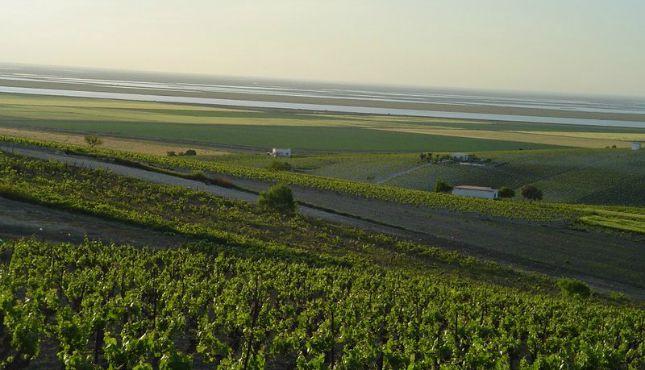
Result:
[[196, 90]]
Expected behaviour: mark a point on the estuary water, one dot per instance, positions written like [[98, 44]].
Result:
[[179, 88]]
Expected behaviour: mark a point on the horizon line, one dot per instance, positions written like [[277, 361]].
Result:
[[328, 82]]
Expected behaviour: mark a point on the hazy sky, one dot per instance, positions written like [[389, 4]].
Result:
[[592, 46]]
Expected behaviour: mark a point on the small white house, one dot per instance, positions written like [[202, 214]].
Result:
[[636, 146], [475, 192], [460, 156], [277, 152]]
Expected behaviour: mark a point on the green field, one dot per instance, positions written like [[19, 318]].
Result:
[[265, 137], [602, 176], [304, 132], [352, 166]]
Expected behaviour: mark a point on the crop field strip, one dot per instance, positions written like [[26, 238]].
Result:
[[306, 131], [306, 138], [598, 140]]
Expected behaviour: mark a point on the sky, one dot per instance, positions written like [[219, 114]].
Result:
[[563, 46]]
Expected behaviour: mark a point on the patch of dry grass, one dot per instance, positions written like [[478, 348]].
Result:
[[115, 143], [537, 137]]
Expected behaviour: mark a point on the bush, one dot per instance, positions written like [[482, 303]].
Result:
[[505, 192], [279, 198], [93, 140], [279, 166], [190, 152], [573, 287], [442, 187], [618, 296], [171, 153], [531, 192]]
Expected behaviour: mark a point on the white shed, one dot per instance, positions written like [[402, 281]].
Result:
[[475, 191], [460, 156], [277, 152], [636, 146]]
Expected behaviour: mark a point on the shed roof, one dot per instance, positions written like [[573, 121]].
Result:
[[472, 187]]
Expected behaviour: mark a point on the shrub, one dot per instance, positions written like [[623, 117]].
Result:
[[279, 198], [279, 166], [190, 152], [531, 192], [93, 140], [171, 153], [573, 287], [618, 296], [442, 187], [505, 192]]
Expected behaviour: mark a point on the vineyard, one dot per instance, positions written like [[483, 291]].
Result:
[[98, 305], [239, 227], [255, 289]]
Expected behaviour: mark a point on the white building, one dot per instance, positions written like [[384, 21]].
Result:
[[475, 191], [636, 146], [277, 152], [460, 156]]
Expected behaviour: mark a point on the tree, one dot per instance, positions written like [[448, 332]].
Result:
[[442, 187], [93, 140], [531, 192], [279, 198], [425, 157], [505, 192]]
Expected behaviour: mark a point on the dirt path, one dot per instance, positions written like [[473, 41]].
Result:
[[401, 173], [609, 261], [20, 219]]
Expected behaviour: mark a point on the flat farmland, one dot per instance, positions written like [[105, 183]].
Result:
[[590, 176], [598, 176], [303, 131]]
